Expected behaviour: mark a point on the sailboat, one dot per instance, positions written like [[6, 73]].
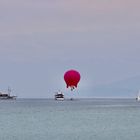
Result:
[[138, 97]]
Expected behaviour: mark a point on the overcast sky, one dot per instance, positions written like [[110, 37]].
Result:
[[41, 39]]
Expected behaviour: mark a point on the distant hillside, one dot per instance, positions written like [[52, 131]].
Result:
[[124, 88]]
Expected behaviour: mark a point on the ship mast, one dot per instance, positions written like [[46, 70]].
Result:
[[9, 91]]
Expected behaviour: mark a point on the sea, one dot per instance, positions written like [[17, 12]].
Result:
[[78, 119]]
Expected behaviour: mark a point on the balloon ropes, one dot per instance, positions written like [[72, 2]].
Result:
[[72, 78]]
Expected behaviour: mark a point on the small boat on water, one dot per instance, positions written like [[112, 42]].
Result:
[[138, 97], [6, 95], [59, 96]]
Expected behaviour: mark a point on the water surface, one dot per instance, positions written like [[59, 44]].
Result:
[[80, 119]]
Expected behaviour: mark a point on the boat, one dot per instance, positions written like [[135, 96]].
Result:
[[138, 97], [59, 96], [6, 95]]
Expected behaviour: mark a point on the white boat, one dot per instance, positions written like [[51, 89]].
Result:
[[6, 95], [138, 97], [59, 96]]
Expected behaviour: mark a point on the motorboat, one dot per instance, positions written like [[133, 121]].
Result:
[[59, 96]]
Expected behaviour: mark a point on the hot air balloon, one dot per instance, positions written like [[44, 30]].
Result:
[[72, 78]]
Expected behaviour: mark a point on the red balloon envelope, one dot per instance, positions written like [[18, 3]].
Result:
[[72, 78]]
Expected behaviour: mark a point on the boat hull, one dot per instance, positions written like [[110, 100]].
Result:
[[59, 99], [7, 98]]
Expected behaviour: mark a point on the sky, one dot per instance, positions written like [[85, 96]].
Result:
[[41, 39]]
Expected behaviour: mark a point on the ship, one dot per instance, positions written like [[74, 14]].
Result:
[[138, 96], [6, 95], [59, 96]]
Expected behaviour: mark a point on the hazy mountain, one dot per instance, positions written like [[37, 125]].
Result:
[[124, 88]]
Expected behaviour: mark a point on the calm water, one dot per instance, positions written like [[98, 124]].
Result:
[[94, 119]]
